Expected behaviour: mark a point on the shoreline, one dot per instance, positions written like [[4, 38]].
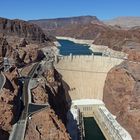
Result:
[[57, 44], [79, 41]]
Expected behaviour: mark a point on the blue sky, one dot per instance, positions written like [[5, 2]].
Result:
[[38, 9]]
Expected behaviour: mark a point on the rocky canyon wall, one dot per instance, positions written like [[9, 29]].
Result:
[[122, 98]]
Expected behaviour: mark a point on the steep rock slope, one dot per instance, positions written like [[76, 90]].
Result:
[[122, 98], [9, 104], [21, 41], [53, 24], [22, 29], [88, 27], [125, 22], [51, 126]]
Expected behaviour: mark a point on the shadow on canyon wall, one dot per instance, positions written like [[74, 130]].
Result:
[[58, 99], [4, 135], [61, 102]]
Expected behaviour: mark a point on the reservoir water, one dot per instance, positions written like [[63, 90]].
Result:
[[68, 47], [92, 131]]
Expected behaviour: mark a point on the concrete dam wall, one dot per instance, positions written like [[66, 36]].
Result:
[[84, 76]]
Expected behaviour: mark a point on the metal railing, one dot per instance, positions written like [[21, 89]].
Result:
[[81, 127]]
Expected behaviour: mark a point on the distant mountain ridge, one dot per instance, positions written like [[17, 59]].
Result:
[[90, 27], [23, 29], [127, 22], [52, 24]]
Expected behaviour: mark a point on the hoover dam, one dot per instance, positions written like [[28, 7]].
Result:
[[83, 79]]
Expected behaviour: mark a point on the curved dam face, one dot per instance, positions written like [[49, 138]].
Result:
[[84, 76]]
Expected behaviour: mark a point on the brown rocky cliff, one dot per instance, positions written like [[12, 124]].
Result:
[[39, 94], [21, 41], [46, 125], [132, 49], [56, 95], [90, 28], [53, 24], [50, 123], [8, 104], [5, 48], [22, 29], [121, 96], [19, 51]]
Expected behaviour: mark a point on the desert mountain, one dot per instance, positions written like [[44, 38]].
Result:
[[52, 24], [22, 29], [89, 27], [126, 22], [21, 41]]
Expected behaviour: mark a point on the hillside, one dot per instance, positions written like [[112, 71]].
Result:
[[21, 41], [51, 25], [126, 22], [23, 29], [64, 22], [89, 27]]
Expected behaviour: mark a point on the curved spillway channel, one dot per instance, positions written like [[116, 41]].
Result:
[[68, 47]]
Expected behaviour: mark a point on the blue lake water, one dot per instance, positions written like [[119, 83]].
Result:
[[68, 47]]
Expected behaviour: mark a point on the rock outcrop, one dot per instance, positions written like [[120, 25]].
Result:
[[39, 94], [125, 22], [21, 41], [132, 49], [22, 29], [53, 119], [53, 24], [9, 104], [5, 48], [122, 98], [46, 125]]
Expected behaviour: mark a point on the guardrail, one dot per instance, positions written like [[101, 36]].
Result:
[[81, 126]]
